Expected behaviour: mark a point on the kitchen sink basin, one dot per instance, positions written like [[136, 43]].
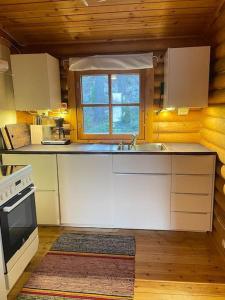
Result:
[[150, 147]]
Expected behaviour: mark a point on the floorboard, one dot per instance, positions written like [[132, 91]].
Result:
[[169, 265]]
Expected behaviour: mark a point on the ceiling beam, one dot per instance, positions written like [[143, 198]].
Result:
[[113, 47], [7, 40]]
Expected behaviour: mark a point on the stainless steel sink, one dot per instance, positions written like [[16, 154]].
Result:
[[150, 147]]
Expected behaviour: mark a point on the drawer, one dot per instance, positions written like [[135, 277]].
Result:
[[190, 221], [193, 164], [142, 164], [191, 203], [192, 184]]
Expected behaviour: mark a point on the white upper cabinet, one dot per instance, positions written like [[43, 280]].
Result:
[[36, 81], [6, 85], [186, 77]]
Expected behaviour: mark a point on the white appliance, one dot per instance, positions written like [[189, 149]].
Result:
[[18, 224]]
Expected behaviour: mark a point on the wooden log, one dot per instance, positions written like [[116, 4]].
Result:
[[159, 70], [157, 80], [149, 97], [213, 123], [220, 184], [109, 47], [176, 127], [218, 82], [64, 84], [219, 66], [220, 152], [176, 137], [220, 169], [220, 51], [218, 235], [24, 117], [214, 111], [219, 37], [220, 199], [217, 97], [220, 214], [214, 137], [156, 93], [172, 116]]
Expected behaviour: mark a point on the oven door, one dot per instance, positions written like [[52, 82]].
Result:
[[18, 221]]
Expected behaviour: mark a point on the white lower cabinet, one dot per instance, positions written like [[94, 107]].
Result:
[[44, 173], [141, 201], [47, 201], [164, 192], [85, 190], [192, 192]]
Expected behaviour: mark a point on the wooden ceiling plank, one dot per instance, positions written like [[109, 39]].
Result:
[[139, 23], [79, 3], [126, 17], [152, 28], [69, 5], [57, 16], [67, 21]]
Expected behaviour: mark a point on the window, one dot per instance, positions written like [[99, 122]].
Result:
[[110, 105]]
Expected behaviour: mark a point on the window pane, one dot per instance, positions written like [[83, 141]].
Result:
[[95, 89], [96, 120], [125, 88], [125, 119]]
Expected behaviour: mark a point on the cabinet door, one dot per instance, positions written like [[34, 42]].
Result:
[[44, 168], [141, 201], [187, 77], [36, 81], [47, 207], [85, 190]]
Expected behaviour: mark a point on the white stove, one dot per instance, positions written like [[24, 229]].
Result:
[[18, 223], [13, 179]]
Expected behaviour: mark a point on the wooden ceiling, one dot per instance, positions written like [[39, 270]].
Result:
[[31, 22]]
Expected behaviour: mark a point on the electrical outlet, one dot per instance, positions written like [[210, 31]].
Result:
[[223, 243]]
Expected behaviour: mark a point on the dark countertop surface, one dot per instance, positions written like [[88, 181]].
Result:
[[171, 148]]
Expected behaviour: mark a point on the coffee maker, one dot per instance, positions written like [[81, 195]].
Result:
[[58, 133]]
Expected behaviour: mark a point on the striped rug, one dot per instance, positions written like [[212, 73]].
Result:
[[84, 267]]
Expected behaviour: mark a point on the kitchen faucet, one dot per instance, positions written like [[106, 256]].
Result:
[[133, 141]]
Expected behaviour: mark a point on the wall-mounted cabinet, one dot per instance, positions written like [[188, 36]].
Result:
[[36, 81], [186, 77], [6, 85]]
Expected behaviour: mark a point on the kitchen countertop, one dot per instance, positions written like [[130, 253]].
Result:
[[171, 148]]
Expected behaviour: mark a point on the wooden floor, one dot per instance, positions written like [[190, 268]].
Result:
[[169, 265]]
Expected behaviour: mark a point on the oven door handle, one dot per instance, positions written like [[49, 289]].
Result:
[[8, 209]]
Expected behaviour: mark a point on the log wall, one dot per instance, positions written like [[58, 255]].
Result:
[[213, 125], [164, 127]]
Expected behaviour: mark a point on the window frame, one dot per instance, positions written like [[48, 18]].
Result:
[[109, 137]]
